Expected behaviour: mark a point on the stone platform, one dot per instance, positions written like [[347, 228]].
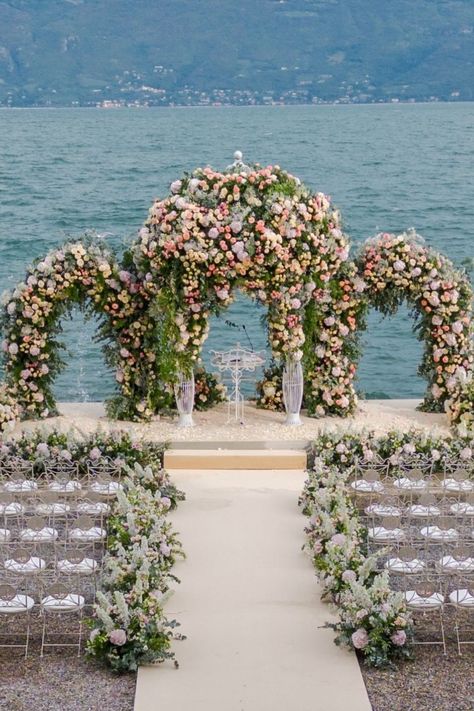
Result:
[[261, 429]]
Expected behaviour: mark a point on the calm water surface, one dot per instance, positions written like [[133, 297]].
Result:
[[386, 167]]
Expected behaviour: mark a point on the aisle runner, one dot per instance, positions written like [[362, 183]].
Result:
[[249, 603]]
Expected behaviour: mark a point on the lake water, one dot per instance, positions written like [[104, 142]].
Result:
[[387, 167]]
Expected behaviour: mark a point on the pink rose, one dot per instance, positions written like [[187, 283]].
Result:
[[399, 638], [360, 638], [118, 637]]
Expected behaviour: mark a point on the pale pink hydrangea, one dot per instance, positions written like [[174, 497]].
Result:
[[360, 638], [118, 637]]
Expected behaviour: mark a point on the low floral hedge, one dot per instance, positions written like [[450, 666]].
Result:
[[372, 618], [40, 445], [130, 627]]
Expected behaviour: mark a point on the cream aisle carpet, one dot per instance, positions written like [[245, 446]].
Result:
[[249, 604]]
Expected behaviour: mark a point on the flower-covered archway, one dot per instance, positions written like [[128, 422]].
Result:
[[81, 273], [402, 268], [259, 231]]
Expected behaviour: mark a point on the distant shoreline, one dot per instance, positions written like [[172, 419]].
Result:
[[238, 106]]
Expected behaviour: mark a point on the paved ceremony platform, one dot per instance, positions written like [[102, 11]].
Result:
[[249, 603], [262, 429]]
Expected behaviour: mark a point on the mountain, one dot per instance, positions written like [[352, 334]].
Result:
[[85, 52]]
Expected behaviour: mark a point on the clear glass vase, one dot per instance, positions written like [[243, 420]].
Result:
[[184, 394], [292, 391]]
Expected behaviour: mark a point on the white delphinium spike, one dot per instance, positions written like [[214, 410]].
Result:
[[122, 608]]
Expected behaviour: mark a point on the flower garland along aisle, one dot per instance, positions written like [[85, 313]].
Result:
[[399, 268], [130, 628], [261, 232], [372, 618]]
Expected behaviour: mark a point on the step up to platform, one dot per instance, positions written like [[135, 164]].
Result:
[[239, 458]]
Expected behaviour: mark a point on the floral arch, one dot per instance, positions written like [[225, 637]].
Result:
[[259, 231], [254, 229], [80, 273], [402, 268]]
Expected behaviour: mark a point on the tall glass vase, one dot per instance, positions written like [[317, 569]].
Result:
[[184, 394], [293, 391]]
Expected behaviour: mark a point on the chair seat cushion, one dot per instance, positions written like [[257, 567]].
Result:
[[448, 562], [462, 508], [367, 486], [410, 484], [380, 533], [93, 508], [87, 566], [106, 488], [383, 510], [65, 487], [418, 510], [431, 602], [397, 565], [20, 486], [12, 509], [454, 485], [437, 534], [33, 565], [5, 535], [54, 509], [462, 597], [59, 604], [96, 533], [18, 603], [44, 534]]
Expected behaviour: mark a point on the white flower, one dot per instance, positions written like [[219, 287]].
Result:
[[175, 186]]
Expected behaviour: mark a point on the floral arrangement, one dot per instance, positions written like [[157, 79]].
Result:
[[9, 410], [263, 232], [129, 627], [398, 268], [41, 446], [270, 390], [208, 389], [372, 618], [461, 407], [260, 231]]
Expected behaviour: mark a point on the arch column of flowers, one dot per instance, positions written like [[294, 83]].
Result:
[[398, 268]]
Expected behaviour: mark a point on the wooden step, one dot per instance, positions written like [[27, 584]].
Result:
[[235, 459]]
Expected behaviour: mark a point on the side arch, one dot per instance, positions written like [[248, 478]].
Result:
[[82, 273], [402, 268]]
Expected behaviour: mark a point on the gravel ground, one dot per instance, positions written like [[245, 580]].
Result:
[[61, 681], [431, 682]]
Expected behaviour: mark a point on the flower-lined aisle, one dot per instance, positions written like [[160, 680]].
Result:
[[373, 618], [129, 626]]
